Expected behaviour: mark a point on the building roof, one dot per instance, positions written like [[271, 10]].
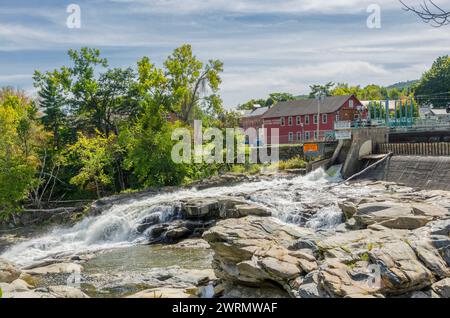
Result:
[[257, 112], [306, 106], [439, 112]]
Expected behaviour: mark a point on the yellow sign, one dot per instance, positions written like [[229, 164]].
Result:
[[310, 148]]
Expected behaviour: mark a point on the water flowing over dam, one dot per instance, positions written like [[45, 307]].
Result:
[[287, 199]]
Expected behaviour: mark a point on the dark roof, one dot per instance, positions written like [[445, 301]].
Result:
[[306, 106], [257, 112]]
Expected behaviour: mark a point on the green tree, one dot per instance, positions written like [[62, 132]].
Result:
[[52, 102], [21, 138], [278, 97], [250, 105], [326, 90], [149, 148], [271, 100], [95, 156], [190, 81], [100, 102], [434, 86]]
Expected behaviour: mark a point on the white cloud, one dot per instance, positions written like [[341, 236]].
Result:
[[14, 77], [255, 6]]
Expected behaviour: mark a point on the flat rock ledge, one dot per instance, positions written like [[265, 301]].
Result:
[[377, 261]]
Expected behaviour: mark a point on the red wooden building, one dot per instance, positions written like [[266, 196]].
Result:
[[299, 120]]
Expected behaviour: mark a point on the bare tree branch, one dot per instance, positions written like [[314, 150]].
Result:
[[429, 12]]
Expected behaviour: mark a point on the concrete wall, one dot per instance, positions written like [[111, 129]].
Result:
[[414, 171], [352, 163]]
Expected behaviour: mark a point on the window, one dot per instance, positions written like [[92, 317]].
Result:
[[282, 121], [315, 119], [316, 136], [356, 116], [291, 136], [307, 119], [350, 103], [307, 135], [324, 118], [338, 117], [299, 120], [299, 136], [290, 120]]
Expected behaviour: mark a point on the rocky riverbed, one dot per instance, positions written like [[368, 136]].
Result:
[[285, 237]]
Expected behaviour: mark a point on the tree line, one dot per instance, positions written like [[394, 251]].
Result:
[[96, 130], [433, 89]]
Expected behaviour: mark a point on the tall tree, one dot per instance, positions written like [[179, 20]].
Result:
[[52, 103], [191, 82], [321, 89], [434, 86], [21, 138]]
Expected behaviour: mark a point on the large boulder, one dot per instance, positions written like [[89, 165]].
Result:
[[201, 208], [57, 268], [254, 251], [8, 272], [442, 288], [372, 262], [395, 215]]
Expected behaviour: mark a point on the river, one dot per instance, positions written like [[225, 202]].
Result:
[[289, 200], [122, 257]]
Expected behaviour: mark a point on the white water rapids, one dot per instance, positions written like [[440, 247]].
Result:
[[287, 199]]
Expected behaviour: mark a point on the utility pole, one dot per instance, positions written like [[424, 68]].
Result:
[[320, 97]]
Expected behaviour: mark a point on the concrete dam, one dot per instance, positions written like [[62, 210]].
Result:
[[415, 160]]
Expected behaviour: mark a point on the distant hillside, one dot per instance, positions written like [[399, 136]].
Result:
[[402, 85]]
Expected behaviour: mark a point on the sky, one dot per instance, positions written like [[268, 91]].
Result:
[[266, 45]]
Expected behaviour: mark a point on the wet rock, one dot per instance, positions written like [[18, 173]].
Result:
[[401, 271], [178, 233], [406, 222], [390, 214], [66, 292], [249, 209], [146, 222], [221, 208], [16, 286], [8, 272], [163, 293], [309, 287], [21, 290], [348, 208], [192, 244], [442, 288], [430, 210], [158, 230], [201, 208], [66, 268]]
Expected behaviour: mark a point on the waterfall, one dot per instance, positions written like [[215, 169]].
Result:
[[304, 200]]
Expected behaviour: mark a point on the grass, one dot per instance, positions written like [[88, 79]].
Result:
[[294, 163], [248, 169]]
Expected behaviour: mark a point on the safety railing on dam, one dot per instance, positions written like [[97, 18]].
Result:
[[416, 149]]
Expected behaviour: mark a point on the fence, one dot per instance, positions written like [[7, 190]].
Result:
[[416, 149]]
